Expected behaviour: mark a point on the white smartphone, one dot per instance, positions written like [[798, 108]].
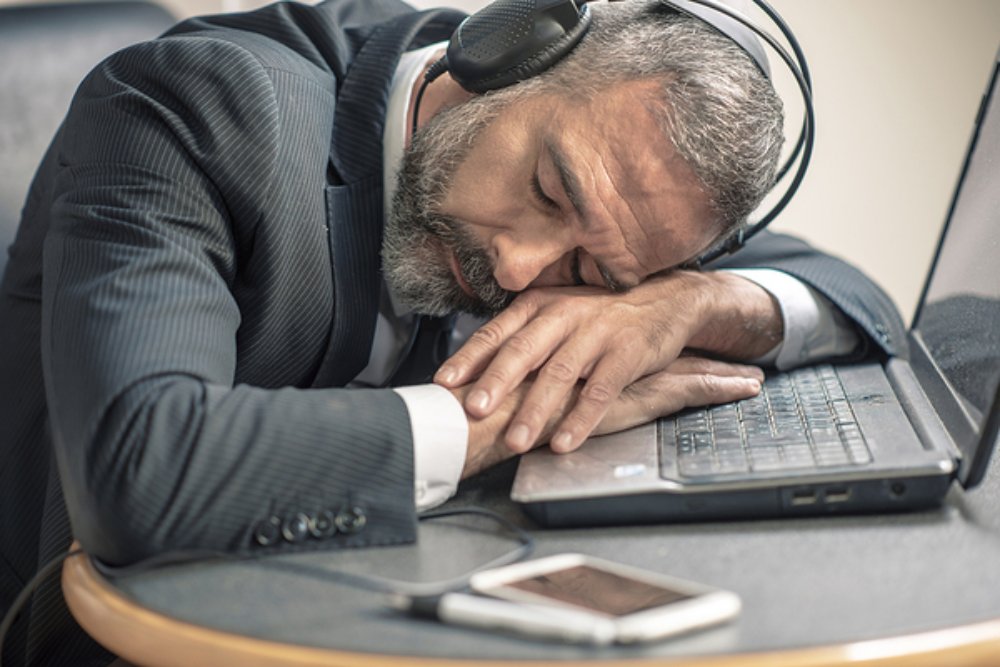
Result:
[[603, 602]]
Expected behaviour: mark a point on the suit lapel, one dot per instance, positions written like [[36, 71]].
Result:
[[355, 211]]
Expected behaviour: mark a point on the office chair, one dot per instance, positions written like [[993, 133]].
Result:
[[45, 51]]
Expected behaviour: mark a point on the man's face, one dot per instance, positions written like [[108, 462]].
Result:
[[552, 192]]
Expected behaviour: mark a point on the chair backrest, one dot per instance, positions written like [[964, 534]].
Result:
[[45, 51]]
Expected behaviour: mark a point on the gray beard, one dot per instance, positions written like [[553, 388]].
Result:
[[418, 240]]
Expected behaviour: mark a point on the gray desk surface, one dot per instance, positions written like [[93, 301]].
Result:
[[804, 582]]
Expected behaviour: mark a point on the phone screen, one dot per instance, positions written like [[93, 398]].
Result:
[[599, 590]]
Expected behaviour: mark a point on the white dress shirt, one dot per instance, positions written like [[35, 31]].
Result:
[[813, 327]]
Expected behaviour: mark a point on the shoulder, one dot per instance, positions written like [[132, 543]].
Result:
[[321, 38]]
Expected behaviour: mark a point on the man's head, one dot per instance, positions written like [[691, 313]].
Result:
[[652, 140]]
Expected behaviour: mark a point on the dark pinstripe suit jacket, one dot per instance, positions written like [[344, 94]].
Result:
[[211, 216]]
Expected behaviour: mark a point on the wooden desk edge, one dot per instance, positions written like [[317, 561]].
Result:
[[151, 639]]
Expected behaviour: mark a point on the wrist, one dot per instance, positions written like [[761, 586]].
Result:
[[736, 318], [486, 444], [485, 447]]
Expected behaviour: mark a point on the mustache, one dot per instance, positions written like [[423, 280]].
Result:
[[474, 261]]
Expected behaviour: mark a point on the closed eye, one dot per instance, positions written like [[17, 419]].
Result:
[[574, 269], [545, 200]]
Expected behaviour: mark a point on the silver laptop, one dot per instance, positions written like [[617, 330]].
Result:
[[832, 438]]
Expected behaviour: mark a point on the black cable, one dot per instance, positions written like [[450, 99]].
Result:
[[439, 67], [26, 593], [162, 560], [803, 66], [416, 105], [802, 77], [522, 552]]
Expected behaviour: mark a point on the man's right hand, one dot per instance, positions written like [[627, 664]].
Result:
[[687, 382]]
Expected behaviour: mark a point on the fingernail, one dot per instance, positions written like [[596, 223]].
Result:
[[479, 399], [446, 375], [561, 442], [518, 437], [752, 384]]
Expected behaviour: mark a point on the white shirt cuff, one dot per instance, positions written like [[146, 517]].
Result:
[[815, 329], [440, 440]]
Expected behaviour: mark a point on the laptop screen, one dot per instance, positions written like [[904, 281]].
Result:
[[958, 321]]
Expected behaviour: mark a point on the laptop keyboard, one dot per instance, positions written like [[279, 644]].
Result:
[[800, 420]]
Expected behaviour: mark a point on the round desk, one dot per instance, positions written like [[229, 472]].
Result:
[[907, 589]]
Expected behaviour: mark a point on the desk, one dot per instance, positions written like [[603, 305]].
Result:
[[916, 589]]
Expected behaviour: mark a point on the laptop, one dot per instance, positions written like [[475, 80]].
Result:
[[832, 438]]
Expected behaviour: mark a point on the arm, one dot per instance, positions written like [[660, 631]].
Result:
[[169, 159], [814, 329], [857, 296]]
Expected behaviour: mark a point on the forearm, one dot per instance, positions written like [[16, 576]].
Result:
[[731, 317], [853, 293], [178, 464]]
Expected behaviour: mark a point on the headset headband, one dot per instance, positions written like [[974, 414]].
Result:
[[511, 40]]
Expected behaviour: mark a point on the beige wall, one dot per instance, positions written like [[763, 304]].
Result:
[[897, 84]]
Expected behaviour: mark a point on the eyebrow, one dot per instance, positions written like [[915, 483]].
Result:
[[570, 183], [574, 192]]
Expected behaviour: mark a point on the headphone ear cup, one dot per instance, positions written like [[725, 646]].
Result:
[[512, 40]]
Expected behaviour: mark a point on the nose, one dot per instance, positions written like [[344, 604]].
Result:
[[528, 263]]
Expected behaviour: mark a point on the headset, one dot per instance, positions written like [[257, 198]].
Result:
[[512, 40]]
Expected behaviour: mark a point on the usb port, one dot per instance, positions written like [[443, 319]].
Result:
[[837, 494], [804, 497]]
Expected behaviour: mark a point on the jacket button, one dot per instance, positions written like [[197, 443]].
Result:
[[322, 524], [351, 520], [268, 531], [296, 528]]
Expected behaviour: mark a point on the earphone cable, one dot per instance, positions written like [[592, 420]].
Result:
[[439, 67], [805, 87], [29, 589]]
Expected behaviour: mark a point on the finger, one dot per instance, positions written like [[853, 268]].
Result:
[[612, 374], [550, 392], [522, 353], [698, 389], [666, 392], [693, 365], [470, 359]]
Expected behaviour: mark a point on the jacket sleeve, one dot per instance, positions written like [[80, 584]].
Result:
[[857, 296], [159, 449]]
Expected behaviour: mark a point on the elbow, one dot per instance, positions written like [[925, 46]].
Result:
[[120, 483]]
